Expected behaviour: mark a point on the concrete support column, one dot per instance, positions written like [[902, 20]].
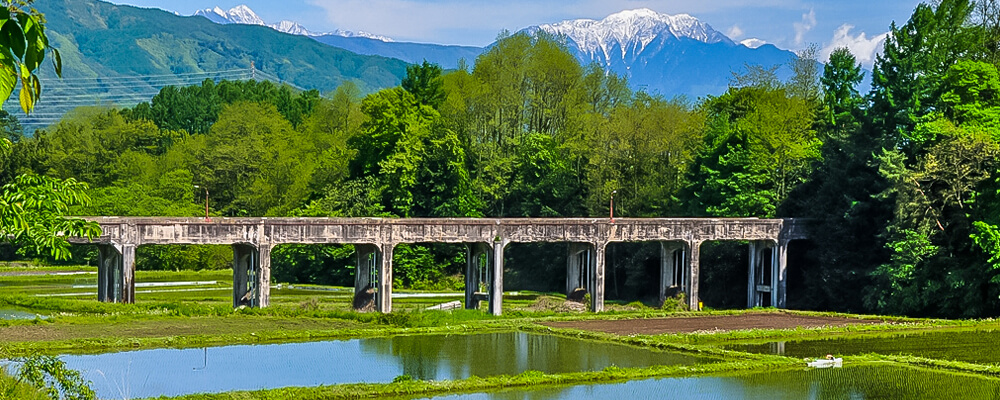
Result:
[[694, 270], [765, 281], [245, 261], [109, 277], [780, 283], [263, 273], [577, 260], [128, 274], [754, 260], [383, 296], [367, 255], [475, 274], [596, 289], [496, 278]]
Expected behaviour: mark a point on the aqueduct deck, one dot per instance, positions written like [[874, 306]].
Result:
[[375, 238]]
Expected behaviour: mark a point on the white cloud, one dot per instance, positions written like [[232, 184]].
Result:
[[804, 26], [863, 47], [735, 32], [753, 43]]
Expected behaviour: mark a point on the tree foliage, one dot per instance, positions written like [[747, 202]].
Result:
[[23, 45]]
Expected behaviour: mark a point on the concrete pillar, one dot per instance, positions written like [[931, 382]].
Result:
[[109, 266], [765, 273], [383, 295], [128, 274], [263, 272], [577, 260], [496, 278], [596, 289], [693, 273], [780, 283], [367, 256], [474, 273], [245, 260], [754, 260]]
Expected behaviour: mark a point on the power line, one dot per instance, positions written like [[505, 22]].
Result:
[[63, 95]]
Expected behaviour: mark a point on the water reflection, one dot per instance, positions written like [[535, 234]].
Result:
[[17, 314], [173, 372], [448, 357], [858, 382]]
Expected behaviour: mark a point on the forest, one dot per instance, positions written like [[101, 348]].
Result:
[[902, 181]]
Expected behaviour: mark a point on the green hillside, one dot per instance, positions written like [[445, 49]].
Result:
[[121, 54]]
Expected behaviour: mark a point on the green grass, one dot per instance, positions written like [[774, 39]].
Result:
[[11, 388], [528, 379]]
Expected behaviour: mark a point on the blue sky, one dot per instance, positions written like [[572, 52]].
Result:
[[788, 24]]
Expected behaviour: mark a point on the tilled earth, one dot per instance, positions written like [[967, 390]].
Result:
[[715, 323]]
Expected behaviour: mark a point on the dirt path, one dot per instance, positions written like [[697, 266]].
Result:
[[709, 323], [166, 328]]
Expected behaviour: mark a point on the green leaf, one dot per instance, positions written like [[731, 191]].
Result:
[[15, 38], [8, 79], [57, 62]]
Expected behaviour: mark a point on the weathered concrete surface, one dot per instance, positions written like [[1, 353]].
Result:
[[253, 239]]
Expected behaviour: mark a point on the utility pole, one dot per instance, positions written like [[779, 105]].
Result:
[[613, 192], [253, 71]]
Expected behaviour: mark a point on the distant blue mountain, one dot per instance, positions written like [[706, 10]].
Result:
[[445, 56]]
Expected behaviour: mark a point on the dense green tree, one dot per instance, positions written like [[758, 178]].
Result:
[[906, 76], [544, 182], [760, 144], [91, 143], [840, 197], [842, 101], [194, 109], [254, 163], [931, 230], [645, 149], [971, 94], [424, 82]]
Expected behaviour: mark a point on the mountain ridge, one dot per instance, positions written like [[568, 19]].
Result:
[[243, 14]]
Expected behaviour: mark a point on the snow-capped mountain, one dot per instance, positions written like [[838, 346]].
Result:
[[630, 32], [662, 53], [242, 14]]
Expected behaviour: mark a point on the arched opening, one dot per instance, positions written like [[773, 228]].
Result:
[[807, 287], [429, 275], [543, 274], [314, 276], [633, 273], [186, 273], [723, 274]]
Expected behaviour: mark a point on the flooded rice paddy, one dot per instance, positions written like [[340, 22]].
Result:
[[173, 372], [974, 346], [873, 381]]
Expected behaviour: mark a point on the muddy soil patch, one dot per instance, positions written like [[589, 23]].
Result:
[[714, 323], [166, 328]]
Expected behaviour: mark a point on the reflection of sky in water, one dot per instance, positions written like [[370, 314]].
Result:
[[17, 314], [174, 372], [861, 382]]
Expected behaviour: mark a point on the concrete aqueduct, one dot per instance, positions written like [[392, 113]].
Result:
[[375, 238]]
